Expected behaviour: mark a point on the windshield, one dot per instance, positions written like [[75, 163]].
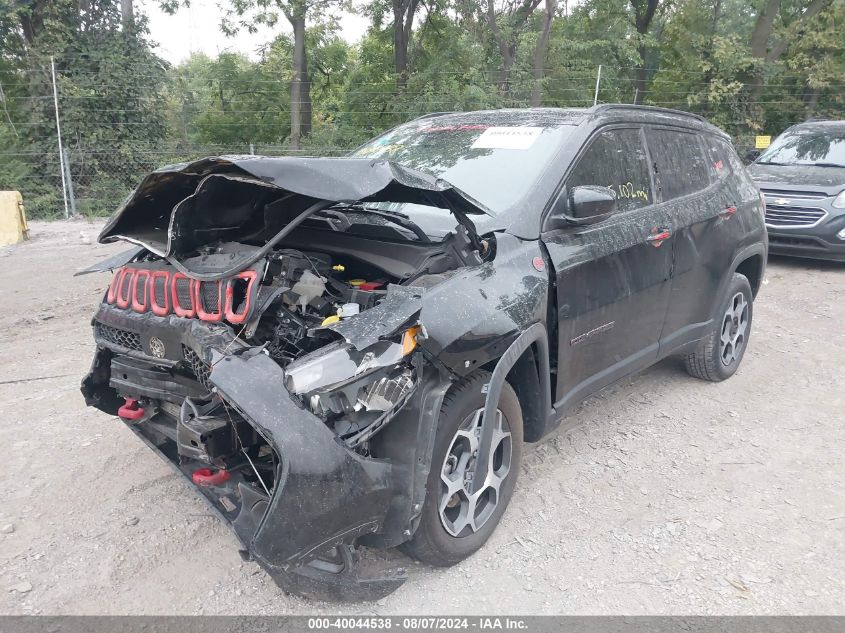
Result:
[[806, 148], [496, 165]]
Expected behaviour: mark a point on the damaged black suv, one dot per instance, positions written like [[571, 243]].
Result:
[[344, 353]]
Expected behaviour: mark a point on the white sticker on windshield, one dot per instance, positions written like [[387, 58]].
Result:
[[507, 138]]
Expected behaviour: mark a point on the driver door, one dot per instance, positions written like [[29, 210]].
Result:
[[613, 276]]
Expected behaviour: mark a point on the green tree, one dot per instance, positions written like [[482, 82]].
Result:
[[110, 98], [249, 13]]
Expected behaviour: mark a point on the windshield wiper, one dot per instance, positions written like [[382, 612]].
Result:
[[828, 165], [394, 217], [771, 162]]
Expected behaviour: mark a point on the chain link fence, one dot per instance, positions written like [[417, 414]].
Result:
[[96, 181], [94, 176]]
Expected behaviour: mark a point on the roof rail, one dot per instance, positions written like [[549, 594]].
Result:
[[646, 108], [431, 114]]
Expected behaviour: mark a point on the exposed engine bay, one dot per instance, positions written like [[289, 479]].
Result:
[[262, 258], [293, 306]]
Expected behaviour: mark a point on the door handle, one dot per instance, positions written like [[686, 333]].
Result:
[[658, 236], [728, 213]]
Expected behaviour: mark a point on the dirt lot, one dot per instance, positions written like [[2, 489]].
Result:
[[671, 496]]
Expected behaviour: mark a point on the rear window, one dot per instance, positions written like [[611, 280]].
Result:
[[679, 162]]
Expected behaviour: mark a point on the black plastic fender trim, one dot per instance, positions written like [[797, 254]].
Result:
[[741, 256], [535, 333]]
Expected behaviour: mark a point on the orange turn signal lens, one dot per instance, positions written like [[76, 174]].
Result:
[[409, 340]]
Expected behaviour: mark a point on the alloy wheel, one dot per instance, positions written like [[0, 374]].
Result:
[[734, 327], [462, 513]]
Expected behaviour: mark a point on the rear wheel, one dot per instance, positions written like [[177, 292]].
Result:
[[719, 354], [454, 522]]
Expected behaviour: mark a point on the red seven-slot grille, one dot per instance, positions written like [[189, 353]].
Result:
[[163, 292]]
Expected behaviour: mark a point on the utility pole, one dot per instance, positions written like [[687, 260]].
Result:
[[69, 181], [598, 81], [59, 134]]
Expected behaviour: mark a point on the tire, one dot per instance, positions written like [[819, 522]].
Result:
[[732, 323], [433, 543]]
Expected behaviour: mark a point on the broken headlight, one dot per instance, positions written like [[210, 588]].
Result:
[[339, 379]]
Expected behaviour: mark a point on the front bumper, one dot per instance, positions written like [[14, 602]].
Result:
[[326, 498], [816, 242]]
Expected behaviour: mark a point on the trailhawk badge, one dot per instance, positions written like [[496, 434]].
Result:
[[157, 347]]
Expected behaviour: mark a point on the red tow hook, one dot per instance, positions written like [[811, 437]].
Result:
[[131, 410], [208, 477]]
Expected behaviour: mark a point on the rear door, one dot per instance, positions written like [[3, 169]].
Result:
[[694, 190], [613, 276]]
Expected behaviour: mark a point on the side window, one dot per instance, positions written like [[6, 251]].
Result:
[[616, 159], [721, 158], [679, 162], [727, 162]]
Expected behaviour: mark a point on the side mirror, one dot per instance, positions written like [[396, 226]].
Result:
[[588, 204], [752, 155], [582, 206]]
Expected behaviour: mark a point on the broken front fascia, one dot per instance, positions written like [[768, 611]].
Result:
[[177, 208], [368, 372], [325, 495]]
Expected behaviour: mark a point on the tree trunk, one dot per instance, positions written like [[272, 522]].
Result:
[[127, 14], [811, 101], [300, 89], [507, 43], [644, 11], [508, 58], [640, 76], [764, 26], [796, 29], [504, 48], [403, 23], [540, 53], [32, 22], [708, 54]]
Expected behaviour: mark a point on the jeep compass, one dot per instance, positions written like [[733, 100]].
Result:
[[350, 353]]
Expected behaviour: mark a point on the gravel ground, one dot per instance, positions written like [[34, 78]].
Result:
[[671, 496]]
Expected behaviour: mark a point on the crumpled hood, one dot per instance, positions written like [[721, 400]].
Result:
[[831, 180], [147, 217]]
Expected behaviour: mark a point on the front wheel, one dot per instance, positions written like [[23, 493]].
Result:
[[719, 354], [455, 523]]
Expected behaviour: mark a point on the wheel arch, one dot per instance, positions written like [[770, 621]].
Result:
[[752, 268], [525, 367], [751, 260]]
